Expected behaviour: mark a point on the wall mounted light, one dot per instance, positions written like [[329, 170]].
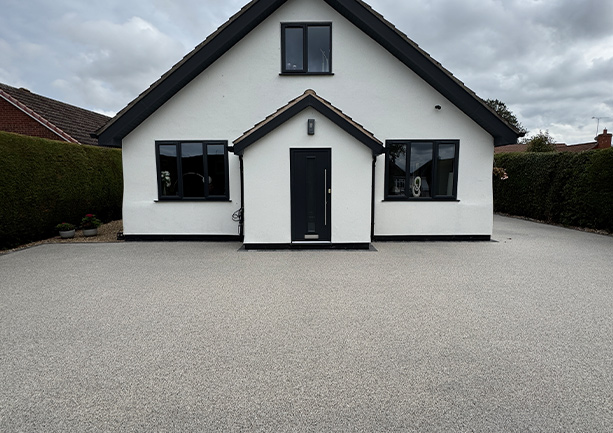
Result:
[[311, 126]]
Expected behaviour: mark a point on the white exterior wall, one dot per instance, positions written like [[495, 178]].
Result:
[[470, 215], [369, 85], [267, 181], [144, 215]]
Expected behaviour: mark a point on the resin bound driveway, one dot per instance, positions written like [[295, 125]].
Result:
[[507, 336]]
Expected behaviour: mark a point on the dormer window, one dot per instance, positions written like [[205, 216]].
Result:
[[306, 48]]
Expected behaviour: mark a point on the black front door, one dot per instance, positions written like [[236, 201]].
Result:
[[311, 192]]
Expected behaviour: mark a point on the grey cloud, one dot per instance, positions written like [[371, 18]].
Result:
[[116, 58], [531, 54], [550, 61], [572, 19]]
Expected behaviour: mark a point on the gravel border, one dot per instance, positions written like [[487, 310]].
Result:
[[106, 233]]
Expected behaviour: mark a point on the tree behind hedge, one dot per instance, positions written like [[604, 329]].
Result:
[[574, 189], [504, 112], [541, 142], [46, 182]]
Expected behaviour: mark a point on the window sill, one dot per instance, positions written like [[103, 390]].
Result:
[[301, 74], [179, 200]]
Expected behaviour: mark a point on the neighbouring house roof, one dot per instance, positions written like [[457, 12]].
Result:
[[560, 147], [511, 148], [70, 123], [563, 147], [357, 12], [308, 99]]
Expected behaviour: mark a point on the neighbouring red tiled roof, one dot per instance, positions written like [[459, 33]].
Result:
[[511, 148], [560, 147], [70, 123]]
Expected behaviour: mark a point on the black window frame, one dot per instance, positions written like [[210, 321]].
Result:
[[180, 195], [434, 175], [305, 50]]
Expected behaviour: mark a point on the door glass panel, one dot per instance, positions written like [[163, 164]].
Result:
[[311, 193], [319, 48], [192, 162], [446, 160], [168, 170], [294, 55], [420, 173]]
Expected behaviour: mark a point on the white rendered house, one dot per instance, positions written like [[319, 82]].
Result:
[[307, 123]]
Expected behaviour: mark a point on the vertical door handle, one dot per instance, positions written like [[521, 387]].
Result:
[[326, 197]]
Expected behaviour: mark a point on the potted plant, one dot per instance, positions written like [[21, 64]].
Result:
[[66, 230], [90, 224]]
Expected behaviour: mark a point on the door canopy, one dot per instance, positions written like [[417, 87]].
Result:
[[308, 99]]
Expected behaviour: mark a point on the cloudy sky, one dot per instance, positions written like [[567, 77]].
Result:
[[550, 61]]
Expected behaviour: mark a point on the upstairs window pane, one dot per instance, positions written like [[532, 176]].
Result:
[[319, 48], [294, 49]]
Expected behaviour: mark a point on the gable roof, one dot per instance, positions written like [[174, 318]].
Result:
[[358, 13], [70, 123], [308, 99]]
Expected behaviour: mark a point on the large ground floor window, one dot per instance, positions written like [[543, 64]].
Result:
[[421, 169], [195, 170]]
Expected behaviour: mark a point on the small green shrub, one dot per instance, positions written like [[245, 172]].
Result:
[[90, 221], [541, 142], [64, 227]]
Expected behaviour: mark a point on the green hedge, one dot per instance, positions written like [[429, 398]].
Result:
[[574, 189], [46, 182]]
